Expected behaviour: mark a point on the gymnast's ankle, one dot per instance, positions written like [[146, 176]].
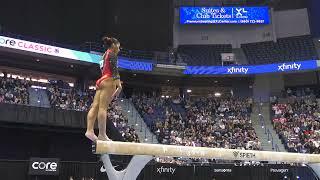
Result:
[[90, 135]]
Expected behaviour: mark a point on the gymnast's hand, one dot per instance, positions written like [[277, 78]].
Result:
[[118, 88], [118, 84]]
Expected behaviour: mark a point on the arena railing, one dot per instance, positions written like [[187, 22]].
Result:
[[90, 47], [133, 54], [270, 139], [37, 40], [142, 129], [277, 148], [266, 130]]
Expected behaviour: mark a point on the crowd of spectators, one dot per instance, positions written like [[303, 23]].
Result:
[[62, 96], [14, 90], [69, 99], [296, 120], [121, 122], [301, 91], [201, 122], [151, 106]]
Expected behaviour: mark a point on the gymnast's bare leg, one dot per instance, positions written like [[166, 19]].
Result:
[[92, 116], [101, 102], [108, 88]]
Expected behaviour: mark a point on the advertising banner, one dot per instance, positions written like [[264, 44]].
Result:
[[44, 166], [224, 15], [70, 54], [252, 69]]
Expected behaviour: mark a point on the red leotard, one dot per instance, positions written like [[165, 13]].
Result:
[[109, 67]]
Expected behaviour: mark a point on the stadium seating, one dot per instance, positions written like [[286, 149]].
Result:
[[207, 122], [65, 97], [285, 49], [203, 54], [62, 96], [14, 91], [296, 120]]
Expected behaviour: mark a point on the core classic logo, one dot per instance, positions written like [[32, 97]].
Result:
[[279, 170], [162, 169], [28, 46], [284, 67], [47, 166], [4, 41], [241, 70], [238, 154], [44, 166]]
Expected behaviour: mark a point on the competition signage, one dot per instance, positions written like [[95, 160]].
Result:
[[28, 46], [44, 166], [280, 170], [147, 65], [224, 15], [47, 50], [126, 63], [256, 69]]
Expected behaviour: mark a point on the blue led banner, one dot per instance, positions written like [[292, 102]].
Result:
[[134, 65], [224, 15], [258, 69], [38, 48]]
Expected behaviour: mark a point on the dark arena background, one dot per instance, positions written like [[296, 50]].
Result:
[[231, 74]]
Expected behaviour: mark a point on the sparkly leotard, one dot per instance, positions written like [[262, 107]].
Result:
[[109, 67]]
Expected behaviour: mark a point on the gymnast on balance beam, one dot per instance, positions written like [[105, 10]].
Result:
[[108, 87]]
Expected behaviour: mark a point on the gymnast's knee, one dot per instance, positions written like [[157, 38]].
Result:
[[94, 106], [102, 113]]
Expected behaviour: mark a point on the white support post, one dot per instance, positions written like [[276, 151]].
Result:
[[132, 171]]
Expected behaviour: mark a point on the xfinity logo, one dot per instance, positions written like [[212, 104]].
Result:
[[238, 70], [285, 66], [162, 169], [48, 166], [279, 170]]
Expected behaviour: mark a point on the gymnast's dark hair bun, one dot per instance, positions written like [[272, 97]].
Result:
[[108, 41]]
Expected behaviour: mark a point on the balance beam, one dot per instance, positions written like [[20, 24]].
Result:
[[125, 148]]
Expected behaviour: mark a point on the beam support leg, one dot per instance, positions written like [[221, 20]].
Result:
[[132, 171]]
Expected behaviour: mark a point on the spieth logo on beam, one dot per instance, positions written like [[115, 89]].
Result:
[[238, 154]]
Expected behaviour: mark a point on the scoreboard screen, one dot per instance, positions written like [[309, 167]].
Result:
[[224, 15]]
